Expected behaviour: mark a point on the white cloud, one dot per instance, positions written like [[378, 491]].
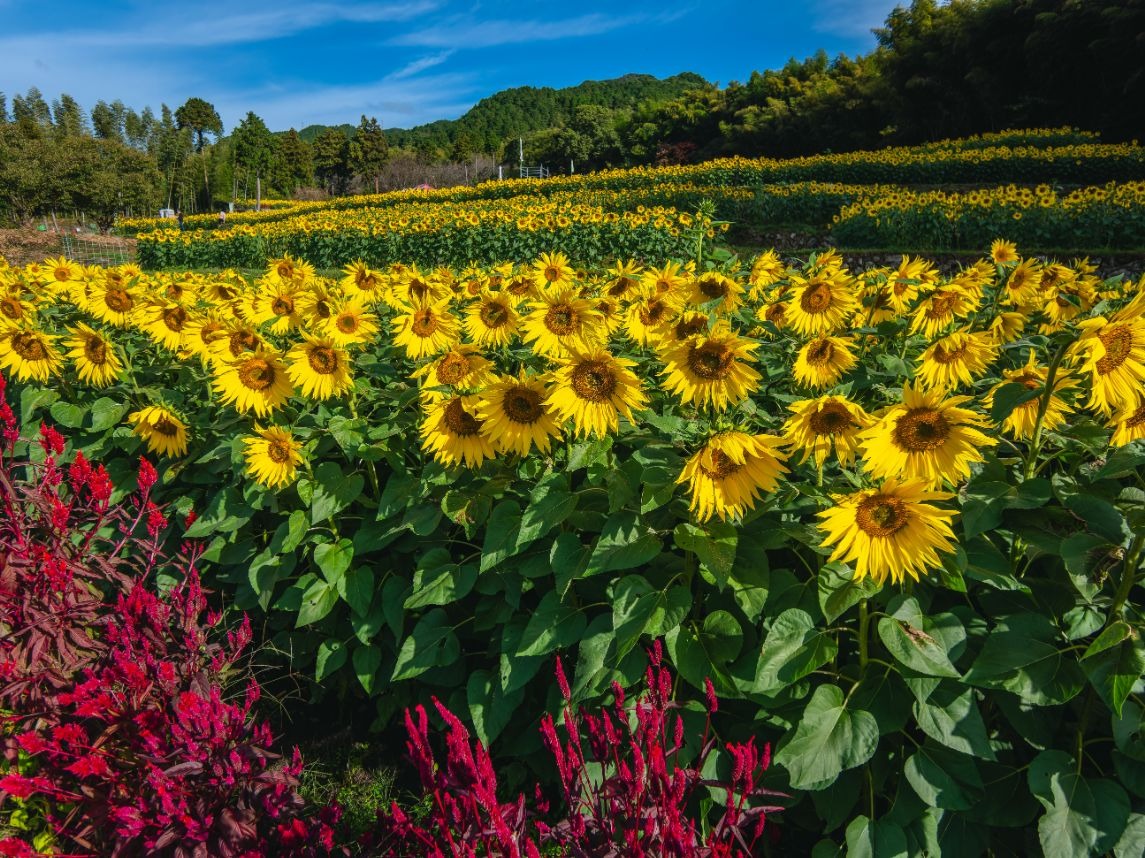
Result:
[[851, 18], [486, 34], [420, 65]]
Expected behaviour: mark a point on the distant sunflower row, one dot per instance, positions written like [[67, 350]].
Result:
[[763, 368]]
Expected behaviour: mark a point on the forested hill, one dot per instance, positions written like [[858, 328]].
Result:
[[525, 109]]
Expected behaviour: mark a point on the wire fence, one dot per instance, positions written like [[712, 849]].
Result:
[[97, 250]]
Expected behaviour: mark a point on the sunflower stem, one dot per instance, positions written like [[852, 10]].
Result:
[[1043, 406], [864, 630], [1128, 578]]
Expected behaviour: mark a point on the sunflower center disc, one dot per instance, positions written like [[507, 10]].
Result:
[[1118, 342], [921, 429], [323, 360], [256, 374], [459, 421], [118, 300], [11, 308], [424, 323], [722, 466], [347, 324], [820, 352], [243, 341], [941, 355], [552, 274], [452, 369], [95, 350], [1137, 418], [523, 405], [494, 314], [711, 361], [28, 346], [831, 419], [881, 515], [175, 318], [560, 320], [815, 299], [164, 426], [713, 288], [278, 452], [593, 381], [281, 306]]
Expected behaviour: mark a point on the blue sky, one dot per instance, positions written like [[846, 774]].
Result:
[[404, 61]]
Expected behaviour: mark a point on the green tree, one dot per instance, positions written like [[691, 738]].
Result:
[[253, 148], [369, 151], [31, 109], [331, 151], [201, 118], [68, 117], [590, 139], [107, 120], [107, 177], [293, 164]]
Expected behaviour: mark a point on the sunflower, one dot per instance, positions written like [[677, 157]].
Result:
[[1020, 289], [315, 304], [912, 278], [462, 367], [942, 308], [955, 359], [767, 270], [925, 437], [1114, 356], [820, 305], [162, 429], [711, 369], [516, 415], [319, 368], [593, 389], [823, 361], [623, 278], [1003, 252], [29, 354], [1007, 327], [711, 286], [560, 323], [727, 475], [257, 381], [427, 328], [818, 425], [289, 270], [272, 456], [1129, 425], [889, 532], [362, 280], [63, 270], [350, 323], [492, 321], [165, 323], [1022, 421], [236, 340], [552, 271], [112, 302], [15, 312], [277, 304], [669, 280], [94, 354], [453, 434]]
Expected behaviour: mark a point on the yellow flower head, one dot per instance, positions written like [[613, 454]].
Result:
[[516, 415], [594, 389], [29, 354], [727, 475], [256, 381], [94, 356], [823, 361], [819, 425], [319, 368], [272, 456], [161, 428], [711, 369]]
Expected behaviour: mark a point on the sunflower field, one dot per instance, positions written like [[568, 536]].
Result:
[[894, 517]]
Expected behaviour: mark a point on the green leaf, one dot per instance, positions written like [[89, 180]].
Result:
[[551, 627], [393, 603], [914, 648], [290, 533], [106, 413], [32, 399], [1132, 841], [569, 560], [1020, 658], [1114, 662], [331, 657], [1008, 397], [714, 545], [950, 716], [490, 708], [501, 534], [702, 653], [333, 491], [334, 559], [829, 739], [794, 647], [1100, 516], [356, 588], [432, 643], [1082, 817], [881, 839], [638, 608], [840, 590], [624, 543], [67, 415], [366, 660], [550, 503], [439, 582], [944, 778], [318, 601]]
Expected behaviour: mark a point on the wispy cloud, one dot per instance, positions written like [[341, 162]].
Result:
[[851, 18], [467, 33], [420, 65]]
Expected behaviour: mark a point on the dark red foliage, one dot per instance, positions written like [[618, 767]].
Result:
[[120, 716], [641, 806]]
